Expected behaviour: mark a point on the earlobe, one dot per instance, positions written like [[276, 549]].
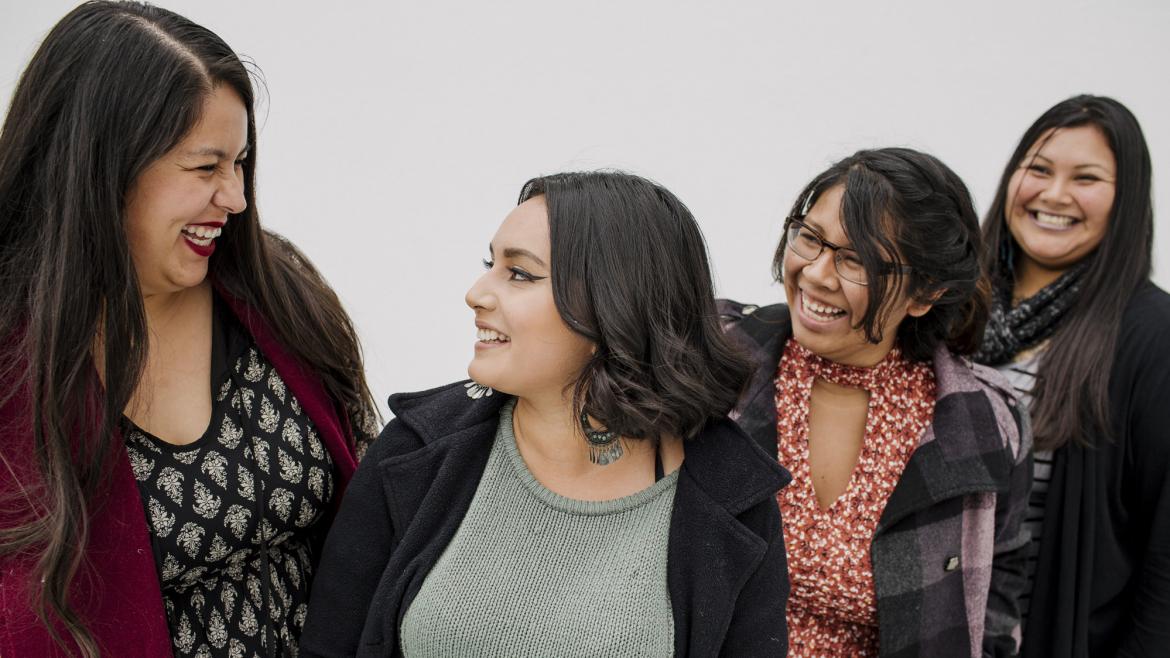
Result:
[[918, 308]]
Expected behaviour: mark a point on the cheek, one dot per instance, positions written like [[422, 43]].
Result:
[[547, 345], [140, 238], [1098, 203], [790, 268], [858, 298], [1021, 189]]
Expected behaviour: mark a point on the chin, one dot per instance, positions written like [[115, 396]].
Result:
[[483, 375]]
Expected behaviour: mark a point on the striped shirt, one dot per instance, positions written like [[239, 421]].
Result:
[[1022, 374]]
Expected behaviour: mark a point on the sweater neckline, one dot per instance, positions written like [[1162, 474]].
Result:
[[506, 443]]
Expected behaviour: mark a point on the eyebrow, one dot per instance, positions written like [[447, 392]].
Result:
[[1040, 156], [517, 252], [816, 227], [218, 153]]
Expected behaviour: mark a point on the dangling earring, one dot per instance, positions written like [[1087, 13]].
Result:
[[605, 447], [1007, 255], [476, 390]]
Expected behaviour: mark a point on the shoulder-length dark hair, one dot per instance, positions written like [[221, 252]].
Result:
[[1071, 395], [902, 208], [113, 87], [630, 273]]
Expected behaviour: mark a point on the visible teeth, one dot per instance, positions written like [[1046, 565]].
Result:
[[491, 336], [205, 232], [1058, 221], [821, 311]]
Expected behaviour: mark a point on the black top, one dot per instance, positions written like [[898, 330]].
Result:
[[242, 501], [1103, 579], [726, 569]]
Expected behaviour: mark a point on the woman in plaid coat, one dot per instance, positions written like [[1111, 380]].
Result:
[[910, 464]]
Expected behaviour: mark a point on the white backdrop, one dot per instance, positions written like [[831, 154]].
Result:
[[396, 136]]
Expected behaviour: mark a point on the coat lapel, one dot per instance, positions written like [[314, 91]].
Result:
[[712, 553], [968, 459], [429, 488]]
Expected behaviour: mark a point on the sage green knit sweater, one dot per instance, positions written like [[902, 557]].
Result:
[[532, 573]]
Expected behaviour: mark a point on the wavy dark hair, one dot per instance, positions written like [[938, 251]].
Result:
[[907, 208], [630, 272], [113, 87], [1071, 395]]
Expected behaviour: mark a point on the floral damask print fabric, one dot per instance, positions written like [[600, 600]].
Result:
[[832, 607], [232, 516]]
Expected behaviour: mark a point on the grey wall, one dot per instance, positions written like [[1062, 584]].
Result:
[[395, 136]]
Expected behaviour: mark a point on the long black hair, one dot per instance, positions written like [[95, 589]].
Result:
[[902, 207], [1071, 395], [630, 272], [113, 87]]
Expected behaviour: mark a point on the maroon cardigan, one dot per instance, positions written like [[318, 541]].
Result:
[[117, 590]]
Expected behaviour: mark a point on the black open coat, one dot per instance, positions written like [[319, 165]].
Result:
[[726, 569]]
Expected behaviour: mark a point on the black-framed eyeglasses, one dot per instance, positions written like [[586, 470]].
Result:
[[807, 243]]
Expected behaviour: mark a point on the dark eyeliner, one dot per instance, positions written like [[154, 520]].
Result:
[[521, 275]]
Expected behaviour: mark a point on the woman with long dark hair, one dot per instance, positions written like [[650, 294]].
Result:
[[585, 494], [1080, 329], [182, 394], [909, 464]]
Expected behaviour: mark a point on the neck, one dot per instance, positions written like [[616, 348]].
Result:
[[553, 446], [547, 432], [162, 307], [1031, 277]]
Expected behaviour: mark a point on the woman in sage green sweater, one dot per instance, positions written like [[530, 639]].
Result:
[[584, 494]]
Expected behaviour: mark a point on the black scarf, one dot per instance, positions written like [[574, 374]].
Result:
[[1012, 330]]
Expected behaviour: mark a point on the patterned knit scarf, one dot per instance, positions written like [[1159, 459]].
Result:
[[1012, 330]]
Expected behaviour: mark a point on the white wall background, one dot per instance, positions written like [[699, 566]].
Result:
[[396, 135]]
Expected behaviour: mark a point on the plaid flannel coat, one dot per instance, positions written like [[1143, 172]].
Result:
[[948, 551]]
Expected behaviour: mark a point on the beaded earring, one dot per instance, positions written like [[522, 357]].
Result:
[[605, 447]]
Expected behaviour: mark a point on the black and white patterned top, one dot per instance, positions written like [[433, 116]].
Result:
[[245, 499]]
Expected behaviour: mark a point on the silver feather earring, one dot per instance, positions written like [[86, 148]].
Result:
[[605, 447]]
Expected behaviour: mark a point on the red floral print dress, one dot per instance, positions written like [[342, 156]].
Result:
[[831, 609]]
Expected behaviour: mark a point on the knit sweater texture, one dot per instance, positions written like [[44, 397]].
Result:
[[533, 573]]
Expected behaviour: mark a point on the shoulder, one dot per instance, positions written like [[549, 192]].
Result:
[[961, 382], [423, 417], [1145, 324], [731, 469], [752, 326], [1141, 375], [733, 312]]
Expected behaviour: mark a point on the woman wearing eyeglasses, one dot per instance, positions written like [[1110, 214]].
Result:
[[910, 465]]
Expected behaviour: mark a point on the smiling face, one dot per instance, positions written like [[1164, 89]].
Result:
[[1059, 199], [826, 309], [180, 203], [524, 347]]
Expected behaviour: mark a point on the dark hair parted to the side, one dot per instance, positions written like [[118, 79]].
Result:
[[630, 272], [905, 208], [113, 87], [1071, 396]]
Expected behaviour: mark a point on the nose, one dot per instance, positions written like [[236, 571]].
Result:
[[480, 296], [1056, 191], [822, 271], [230, 195]]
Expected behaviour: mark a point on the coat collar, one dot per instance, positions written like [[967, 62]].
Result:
[[732, 472]]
